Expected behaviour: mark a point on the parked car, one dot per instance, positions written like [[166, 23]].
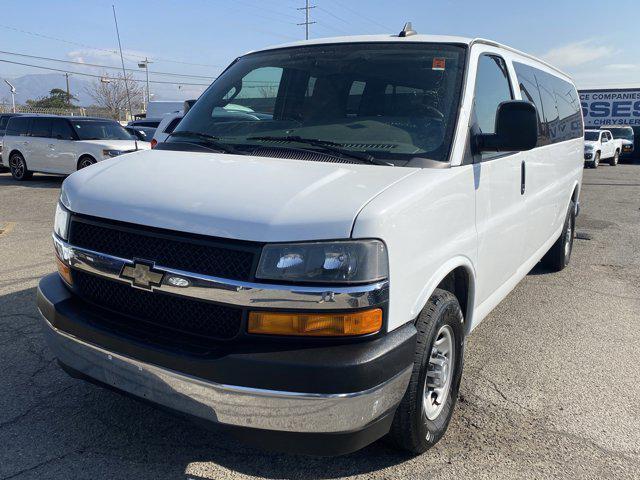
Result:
[[600, 145], [307, 274], [144, 134], [145, 122], [230, 112], [4, 119], [627, 137], [62, 145], [166, 127]]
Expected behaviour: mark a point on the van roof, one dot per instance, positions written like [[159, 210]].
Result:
[[417, 38]]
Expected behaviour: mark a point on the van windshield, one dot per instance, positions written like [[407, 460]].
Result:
[[389, 101], [100, 130]]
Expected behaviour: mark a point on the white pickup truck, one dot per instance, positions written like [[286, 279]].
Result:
[[600, 145], [307, 274]]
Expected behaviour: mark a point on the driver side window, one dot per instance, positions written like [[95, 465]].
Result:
[[492, 88]]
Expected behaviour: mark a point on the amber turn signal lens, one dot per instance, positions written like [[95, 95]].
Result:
[[64, 271], [315, 324]]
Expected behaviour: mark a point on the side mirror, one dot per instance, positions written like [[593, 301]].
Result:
[[516, 129]]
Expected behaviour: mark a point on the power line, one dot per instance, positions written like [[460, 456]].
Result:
[[359, 14], [334, 15], [130, 56], [99, 76], [36, 57]]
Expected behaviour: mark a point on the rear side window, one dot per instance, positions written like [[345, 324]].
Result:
[[492, 88], [3, 122], [41, 127], [18, 126], [172, 125], [559, 114], [61, 130]]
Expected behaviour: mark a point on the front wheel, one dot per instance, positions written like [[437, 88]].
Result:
[[424, 413], [596, 160], [85, 162], [18, 167], [613, 161], [558, 256]]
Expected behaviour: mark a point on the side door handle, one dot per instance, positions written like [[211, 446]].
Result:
[[523, 177]]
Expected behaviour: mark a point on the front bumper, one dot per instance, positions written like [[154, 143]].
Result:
[[627, 150], [382, 366], [588, 155]]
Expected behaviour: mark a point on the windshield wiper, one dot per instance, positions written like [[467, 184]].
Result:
[[326, 145], [208, 139]]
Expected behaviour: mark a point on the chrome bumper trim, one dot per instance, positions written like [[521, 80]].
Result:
[[230, 292], [228, 404]]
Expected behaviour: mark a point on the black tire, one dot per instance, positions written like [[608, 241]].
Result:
[[613, 161], [18, 167], [411, 429], [596, 160], [558, 256], [85, 162]]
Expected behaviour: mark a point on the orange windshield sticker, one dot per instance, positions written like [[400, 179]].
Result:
[[438, 64]]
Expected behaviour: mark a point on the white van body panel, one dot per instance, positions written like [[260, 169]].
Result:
[[231, 196], [482, 221]]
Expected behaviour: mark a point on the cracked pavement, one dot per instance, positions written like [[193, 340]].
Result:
[[550, 387]]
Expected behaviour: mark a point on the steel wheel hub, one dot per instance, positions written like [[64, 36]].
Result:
[[439, 373], [567, 240]]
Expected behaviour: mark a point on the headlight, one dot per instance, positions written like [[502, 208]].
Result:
[[61, 222], [325, 262], [111, 153]]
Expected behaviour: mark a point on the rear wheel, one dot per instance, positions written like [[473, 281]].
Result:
[[558, 256], [613, 161], [18, 167], [423, 415], [85, 162]]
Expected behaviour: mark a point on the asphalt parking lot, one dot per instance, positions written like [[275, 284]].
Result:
[[550, 387]]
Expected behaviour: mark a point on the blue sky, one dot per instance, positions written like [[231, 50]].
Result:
[[569, 33]]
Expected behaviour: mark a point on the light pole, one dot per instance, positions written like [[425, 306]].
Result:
[[13, 95], [145, 65]]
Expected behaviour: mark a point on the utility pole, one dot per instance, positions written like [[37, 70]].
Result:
[[68, 93], [306, 22]]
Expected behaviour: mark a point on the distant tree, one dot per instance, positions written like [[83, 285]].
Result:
[[57, 99], [111, 94]]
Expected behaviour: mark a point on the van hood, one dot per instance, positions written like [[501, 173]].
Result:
[[231, 196]]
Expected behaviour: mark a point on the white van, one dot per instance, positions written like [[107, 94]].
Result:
[[308, 272], [62, 145]]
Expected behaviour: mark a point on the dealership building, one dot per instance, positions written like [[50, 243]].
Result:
[[612, 106]]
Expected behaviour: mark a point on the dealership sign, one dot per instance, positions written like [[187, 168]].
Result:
[[611, 107]]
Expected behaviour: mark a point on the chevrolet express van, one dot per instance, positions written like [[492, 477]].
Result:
[[306, 274]]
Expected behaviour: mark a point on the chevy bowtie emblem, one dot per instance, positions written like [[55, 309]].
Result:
[[142, 275]]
